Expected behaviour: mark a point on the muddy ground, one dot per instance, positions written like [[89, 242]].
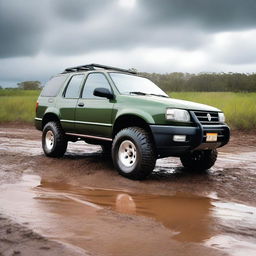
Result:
[[79, 205]]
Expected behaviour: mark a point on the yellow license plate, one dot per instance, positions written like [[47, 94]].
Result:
[[211, 136]]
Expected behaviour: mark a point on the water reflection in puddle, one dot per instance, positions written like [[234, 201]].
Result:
[[189, 216], [59, 211]]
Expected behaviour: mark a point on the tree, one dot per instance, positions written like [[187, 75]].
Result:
[[212, 82], [29, 85]]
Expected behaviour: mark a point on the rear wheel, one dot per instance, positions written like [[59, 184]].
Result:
[[133, 153], [199, 160], [54, 141]]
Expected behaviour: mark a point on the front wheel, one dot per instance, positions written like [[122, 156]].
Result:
[[199, 160], [133, 153], [54, 141]]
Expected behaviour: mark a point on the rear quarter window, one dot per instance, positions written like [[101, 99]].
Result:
[[52, 87]]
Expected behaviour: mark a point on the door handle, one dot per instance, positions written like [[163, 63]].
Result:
[[80, 104]]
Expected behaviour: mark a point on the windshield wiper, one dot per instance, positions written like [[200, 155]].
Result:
[[159, 95], [138, 93], [143, 93]]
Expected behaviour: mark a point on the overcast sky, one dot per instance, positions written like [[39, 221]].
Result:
[[39, 38]]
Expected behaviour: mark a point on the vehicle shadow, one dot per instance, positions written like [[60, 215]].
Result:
[[165, 173], [176, 173], [93, 158]]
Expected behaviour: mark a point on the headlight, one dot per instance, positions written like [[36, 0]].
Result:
[[179, 115], [221, 118]]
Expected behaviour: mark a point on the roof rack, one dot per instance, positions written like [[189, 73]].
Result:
[[95, 66]]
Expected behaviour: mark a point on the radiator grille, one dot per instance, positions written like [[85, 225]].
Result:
[[207, 118]]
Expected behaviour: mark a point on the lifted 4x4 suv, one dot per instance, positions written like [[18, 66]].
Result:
[[130, 117]]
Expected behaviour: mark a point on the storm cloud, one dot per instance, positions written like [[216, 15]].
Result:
[[173, 35], [217, 15]]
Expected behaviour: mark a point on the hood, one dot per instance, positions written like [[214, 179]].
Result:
[[174, 103], [189, 105]]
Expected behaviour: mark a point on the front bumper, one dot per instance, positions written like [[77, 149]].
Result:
[[195, 138]]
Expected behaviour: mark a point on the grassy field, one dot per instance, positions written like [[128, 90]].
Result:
[[17, 105], [239, 108]]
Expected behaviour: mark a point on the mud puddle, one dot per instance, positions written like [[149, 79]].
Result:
[[77, 215]]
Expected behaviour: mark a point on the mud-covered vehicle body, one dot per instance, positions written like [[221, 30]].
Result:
[[130, 117]]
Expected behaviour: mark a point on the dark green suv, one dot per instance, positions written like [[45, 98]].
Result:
[[130, 117]]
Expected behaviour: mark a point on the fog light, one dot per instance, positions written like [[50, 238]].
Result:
[[179, 138]]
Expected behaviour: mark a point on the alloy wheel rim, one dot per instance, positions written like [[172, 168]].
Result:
[[127, 153], [49, 140]]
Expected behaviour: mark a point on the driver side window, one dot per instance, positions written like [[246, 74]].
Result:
[[93, 81]]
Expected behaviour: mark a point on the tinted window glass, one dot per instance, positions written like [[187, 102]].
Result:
[[73, 89], [53, 86], [94, 80]]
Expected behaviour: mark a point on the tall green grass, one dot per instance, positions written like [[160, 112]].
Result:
[[18, 92], [17, 105], [239, 108]]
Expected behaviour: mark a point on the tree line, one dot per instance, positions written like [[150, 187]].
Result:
[[178, 81], [27, 85], [209, 82]]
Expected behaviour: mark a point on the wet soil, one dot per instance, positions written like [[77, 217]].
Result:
[[79, 205], [18, 239]]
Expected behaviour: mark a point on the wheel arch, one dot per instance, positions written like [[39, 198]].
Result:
[[130, 120], [48, 117]]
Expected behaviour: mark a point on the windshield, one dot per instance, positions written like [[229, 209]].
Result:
[[129, 84]]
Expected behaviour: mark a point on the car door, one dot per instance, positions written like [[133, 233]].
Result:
[[93, 114], [68, 102]]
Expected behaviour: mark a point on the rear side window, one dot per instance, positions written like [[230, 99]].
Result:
[[73, 89], [53, 86]]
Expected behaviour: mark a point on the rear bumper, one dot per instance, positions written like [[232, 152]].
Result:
[[195, 138], [38, 123]]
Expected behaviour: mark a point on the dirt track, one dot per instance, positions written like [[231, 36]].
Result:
[[88, 209]]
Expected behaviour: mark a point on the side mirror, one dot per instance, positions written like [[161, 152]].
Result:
[[103, 92]]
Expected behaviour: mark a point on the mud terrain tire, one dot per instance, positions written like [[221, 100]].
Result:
[[199, 160], [54, 141], [133, 153]]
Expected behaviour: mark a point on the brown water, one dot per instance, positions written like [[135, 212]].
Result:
[[75, 215], [187, 215]]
